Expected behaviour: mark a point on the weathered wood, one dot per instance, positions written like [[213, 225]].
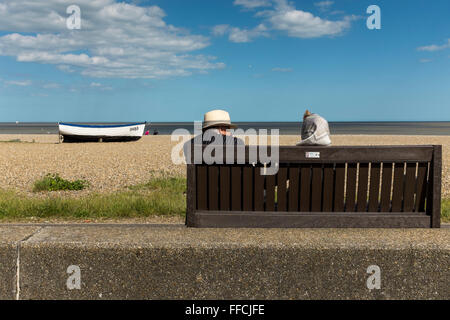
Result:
[[434, 195], [259, 190], [339, 188], [202, 188], [309, 191], [213, 187], [191, 191], [225, 188], [316, 187], [374, 187], [282, 189], [247, 188], [350, 193], [357, 153], [421, 189], [270, 193], [363, 181], [410, 184], [386, 183], [236, 188], [342, 154], [328, 179], [397, 192], [294, 176], [212, 219], [305, 188]]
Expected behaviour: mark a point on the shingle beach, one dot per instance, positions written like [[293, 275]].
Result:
[[114, 166]]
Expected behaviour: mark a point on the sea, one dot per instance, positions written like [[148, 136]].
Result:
[[285, 128]]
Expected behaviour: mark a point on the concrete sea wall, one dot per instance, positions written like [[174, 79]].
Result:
[[174, 262]]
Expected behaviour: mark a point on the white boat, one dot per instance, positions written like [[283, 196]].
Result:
[[70, 132]]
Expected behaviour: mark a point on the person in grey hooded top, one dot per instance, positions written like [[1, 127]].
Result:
[[315, 130]]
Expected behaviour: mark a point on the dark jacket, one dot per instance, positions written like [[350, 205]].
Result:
[[226, 140]]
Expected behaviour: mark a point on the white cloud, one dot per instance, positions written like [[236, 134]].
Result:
[[282, 70], [220, 29], [245, 35], [284, 17], [116, 40], [435, 47], [324, 5], [302, 24], [51, 85], [425, 60], [252, 4], [65, 68], [23, 83], [100, 86], [239, 35]]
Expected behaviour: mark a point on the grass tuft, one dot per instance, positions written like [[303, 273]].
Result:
[[445, 210], [162, 195], [53, 182], [158, 197]]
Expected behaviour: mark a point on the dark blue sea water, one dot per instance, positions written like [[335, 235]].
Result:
[[286, 128]]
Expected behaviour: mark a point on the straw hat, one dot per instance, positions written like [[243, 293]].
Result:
[[217, 118], [306, 114]]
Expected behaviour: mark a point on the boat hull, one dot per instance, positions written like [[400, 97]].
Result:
[[95, 133]]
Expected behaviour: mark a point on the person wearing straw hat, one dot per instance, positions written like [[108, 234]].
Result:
[[215, 129], [218, 120], [315, 130]]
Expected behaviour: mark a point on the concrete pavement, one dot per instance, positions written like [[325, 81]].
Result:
[[118, 261]]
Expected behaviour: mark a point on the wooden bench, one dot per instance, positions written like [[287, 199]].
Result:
[[347, 186]]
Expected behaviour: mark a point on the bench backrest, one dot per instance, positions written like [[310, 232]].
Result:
[[342, 186]]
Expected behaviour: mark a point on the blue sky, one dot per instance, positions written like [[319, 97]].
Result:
[[262, 60]]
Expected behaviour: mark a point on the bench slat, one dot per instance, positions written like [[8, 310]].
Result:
[[282, 189], [335, 154], [305, 188], [328, 179], [213, 187], [247, 188], [358, 154], [421, 187], [397, 193], [339, 188], [270, 193], [236, 184], [386, 183], [316, 187], [350, 193], [294, 177], [410, 186], [224, 188], [363, 181], [311, 220], [374, 187], [259, 190], [202, 192]]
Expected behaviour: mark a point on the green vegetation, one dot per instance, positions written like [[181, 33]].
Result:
[[160, 196], [171, 184], [53, 182], [445, 210]]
